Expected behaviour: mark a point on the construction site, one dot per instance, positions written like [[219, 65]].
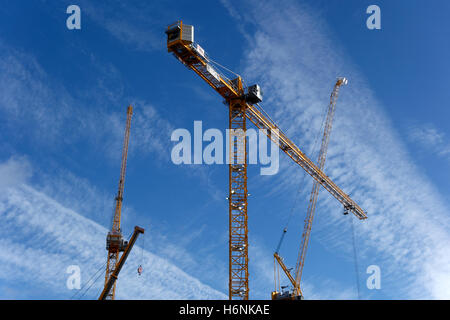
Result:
[[266, 162]]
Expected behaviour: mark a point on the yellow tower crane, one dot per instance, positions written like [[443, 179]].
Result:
[[243, 104], [296, 293], [114, 240]]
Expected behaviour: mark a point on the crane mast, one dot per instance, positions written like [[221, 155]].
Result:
[[243, 104], [297, 293], [238, 233], [114, 240]]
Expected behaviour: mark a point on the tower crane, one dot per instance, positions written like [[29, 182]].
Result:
[[243, 103], [114, 240], [296, 293]]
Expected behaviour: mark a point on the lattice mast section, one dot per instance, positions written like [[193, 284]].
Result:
[[238, 232]]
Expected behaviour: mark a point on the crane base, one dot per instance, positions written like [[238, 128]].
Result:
[[285, 296]]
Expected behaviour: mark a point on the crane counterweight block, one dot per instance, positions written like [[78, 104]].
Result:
[[254, 94], [115, 241], [178, 31]]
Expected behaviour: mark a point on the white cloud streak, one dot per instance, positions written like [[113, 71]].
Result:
[[31, 100], [431, 139], [35, 108], [15, 171], [40, 239], [292, 55], [135, 26]]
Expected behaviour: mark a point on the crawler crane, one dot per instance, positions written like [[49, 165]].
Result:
[[296, 293], [243, 104]]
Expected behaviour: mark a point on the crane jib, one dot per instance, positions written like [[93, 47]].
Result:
[[188, 56], [288, 147]]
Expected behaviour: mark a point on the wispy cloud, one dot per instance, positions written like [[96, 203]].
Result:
[[173, 244], [327, 289], [431, 139], [15, 171], [40, 238], [52, 118], [37, 109], [26, 98], [407, 230], [136, 26], [151, 132]]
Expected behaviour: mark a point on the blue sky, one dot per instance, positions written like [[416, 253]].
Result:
[[63, 98]]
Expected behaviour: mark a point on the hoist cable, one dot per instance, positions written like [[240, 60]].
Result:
[[90, 286], [355, 258], [314, 147], [218, 64], [143, 248], [83, 287], [87, 282]]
